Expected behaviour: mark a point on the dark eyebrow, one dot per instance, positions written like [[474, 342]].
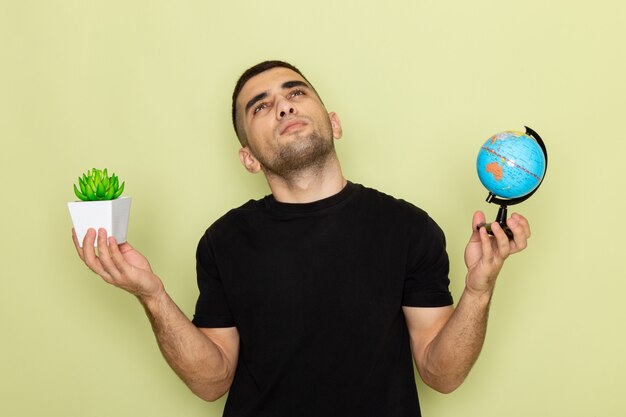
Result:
[[256, 98], [286, 85], [297, 83]]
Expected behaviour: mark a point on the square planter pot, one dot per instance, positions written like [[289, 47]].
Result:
[[111, 215]]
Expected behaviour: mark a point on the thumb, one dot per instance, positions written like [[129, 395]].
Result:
[[125, 247]]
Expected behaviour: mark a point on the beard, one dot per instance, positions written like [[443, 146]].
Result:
[[299, 154]]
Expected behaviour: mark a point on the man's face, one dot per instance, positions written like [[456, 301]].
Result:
[[286, 126]]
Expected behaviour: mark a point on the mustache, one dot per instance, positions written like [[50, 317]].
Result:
[[278, 130]]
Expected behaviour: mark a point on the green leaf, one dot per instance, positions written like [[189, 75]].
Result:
[[90, 194], [118, 192], [100, 190], [82, 185], [91, 184], [79, 194], [109, 194]]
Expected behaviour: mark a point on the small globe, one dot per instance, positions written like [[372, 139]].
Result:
[[511, 164]]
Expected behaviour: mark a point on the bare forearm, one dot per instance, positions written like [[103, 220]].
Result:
[[195, 356], [451, 355], [198, 361]]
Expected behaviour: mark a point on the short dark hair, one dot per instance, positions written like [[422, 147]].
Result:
[[251, 72]]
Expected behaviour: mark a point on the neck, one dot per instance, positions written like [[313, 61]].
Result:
[[308, 185]]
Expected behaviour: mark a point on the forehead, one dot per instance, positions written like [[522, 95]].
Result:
[[266, 81]]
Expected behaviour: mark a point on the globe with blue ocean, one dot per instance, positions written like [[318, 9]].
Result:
[[511, 164]]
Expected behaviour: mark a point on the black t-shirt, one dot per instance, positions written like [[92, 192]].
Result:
[[316, 292]]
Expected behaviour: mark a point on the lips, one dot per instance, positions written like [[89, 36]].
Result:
[[291, 125]]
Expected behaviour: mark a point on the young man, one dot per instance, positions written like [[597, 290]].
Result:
[[315, 300]]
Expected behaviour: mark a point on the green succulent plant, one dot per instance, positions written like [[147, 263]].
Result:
[[96, 185]]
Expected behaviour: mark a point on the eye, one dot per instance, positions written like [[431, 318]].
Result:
[[295, 93], [259, 107]]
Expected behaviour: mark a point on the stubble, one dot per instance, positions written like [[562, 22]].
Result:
[[300, 154]]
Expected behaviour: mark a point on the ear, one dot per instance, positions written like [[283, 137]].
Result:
[[335, 124], [248, 160]]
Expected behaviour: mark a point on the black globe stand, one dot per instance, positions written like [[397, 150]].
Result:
[[500, 219], [504, 203]]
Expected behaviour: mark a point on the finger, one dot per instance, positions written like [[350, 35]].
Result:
[[523, 222], [487, 248], [124, 247], [501, 240], [477, 220], [89, 251], [90, 258], [105, 256], [118, 258], [520, 234], [79, 250]]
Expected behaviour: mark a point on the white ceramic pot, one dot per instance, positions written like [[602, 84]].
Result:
[[111, 215]]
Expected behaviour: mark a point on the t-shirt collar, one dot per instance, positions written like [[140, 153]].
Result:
[[277, 206]]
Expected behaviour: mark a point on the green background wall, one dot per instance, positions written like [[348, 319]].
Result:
[[143, 87]]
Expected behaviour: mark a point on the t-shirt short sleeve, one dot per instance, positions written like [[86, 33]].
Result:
[[212, 307], [427, 283]]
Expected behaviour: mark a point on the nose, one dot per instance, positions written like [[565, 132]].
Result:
[[283, 113], [284, 108]]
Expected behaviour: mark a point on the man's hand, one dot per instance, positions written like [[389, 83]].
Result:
[[119, 265], [446, 342], [485, 254], [204, 359]]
